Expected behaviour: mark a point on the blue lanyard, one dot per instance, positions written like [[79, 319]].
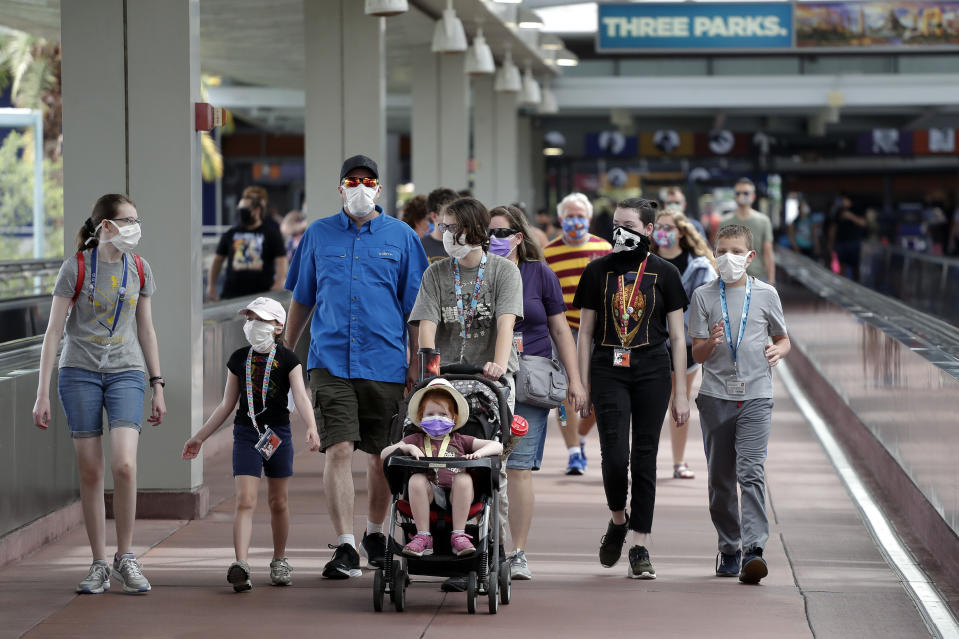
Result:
[[121, 296], [742, 324], [266, 383], [466, 317]]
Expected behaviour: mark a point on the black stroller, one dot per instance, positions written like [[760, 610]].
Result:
[[489, 419]]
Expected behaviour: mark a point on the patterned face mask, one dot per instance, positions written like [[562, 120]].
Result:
[[575, 228], [625, 239]]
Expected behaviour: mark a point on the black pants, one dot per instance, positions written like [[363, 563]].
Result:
[[638, 394]]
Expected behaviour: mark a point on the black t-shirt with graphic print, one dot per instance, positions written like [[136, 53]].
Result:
[[660, 292], [250, 257], [276, 413]]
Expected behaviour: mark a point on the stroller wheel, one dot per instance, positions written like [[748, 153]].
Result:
[[391, 581], [379, 589], [471, 588], [491, 592], [505, 584], [399, 590]]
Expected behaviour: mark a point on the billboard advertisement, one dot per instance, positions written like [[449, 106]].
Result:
[[877, 24], [670, 26]]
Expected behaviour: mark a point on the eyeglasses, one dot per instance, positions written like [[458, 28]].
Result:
[[350, 182], [502, 233], [126, 220], [664, 227], [452, 228], [743, 193]]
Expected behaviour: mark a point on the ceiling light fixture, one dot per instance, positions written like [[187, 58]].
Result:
[[566, 58], [479, 58], [386, 8], [548, 104], [531, 95], [550, 42], [528, 19], [508, 79], [448, 34]]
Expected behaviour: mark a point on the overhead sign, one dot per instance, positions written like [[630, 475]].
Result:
[[903, 24], [670, 26]]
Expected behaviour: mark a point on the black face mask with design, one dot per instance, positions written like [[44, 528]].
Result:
[[246, 215], [631, 244]]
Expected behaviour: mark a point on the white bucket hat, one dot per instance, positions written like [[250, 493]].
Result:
[[266, 308], [442, 385]]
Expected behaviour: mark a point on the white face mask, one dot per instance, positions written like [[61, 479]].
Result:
[[126, 238], [359, 201], [732, 267], [457, 250], [260, 335]]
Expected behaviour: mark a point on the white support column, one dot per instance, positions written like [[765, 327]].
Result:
[[440, 121], [484, 140], [129, 129], [507, 147], [526, 188], [345, 95]]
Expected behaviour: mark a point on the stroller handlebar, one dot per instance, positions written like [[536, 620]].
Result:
[[466, 369]]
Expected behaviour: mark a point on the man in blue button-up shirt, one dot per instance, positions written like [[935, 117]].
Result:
[[360, 270]]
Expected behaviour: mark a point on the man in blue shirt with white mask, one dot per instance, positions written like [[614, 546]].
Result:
[[358, 272]]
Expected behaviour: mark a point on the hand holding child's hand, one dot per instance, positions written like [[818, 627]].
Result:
[[717, 335], [191, 448], [313, 439]]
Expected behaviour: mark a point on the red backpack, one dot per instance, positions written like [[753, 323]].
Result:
[[81, 273]]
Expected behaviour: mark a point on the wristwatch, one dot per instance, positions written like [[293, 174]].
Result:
[[157, 380]]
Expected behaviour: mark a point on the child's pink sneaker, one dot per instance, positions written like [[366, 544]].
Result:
[[419, 545], [461, 544]]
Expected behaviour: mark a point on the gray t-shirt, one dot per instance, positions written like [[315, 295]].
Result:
[[765, 319], [762, 230], [88, 343], [501, 293]]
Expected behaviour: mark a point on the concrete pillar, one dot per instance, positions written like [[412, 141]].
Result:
[[130, 129], [345, 95], [440, 122], [484, 140], [526, 187], [507, 147]]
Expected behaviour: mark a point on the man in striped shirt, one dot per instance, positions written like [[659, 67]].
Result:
[[568, 256]]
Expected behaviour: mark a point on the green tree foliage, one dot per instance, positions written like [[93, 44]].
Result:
[[16, 199]]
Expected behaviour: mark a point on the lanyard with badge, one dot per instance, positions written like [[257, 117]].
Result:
[[625, 310], [121, 298], [467, 315], [269, 441], [734, 385], [443, 446]]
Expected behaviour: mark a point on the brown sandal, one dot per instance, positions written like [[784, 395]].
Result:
[[681, 471]]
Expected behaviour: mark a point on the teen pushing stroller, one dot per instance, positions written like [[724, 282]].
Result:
[[444, 477]]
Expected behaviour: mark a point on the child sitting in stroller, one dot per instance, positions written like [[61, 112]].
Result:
[[439, 410]]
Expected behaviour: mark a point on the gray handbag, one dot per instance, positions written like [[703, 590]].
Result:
[[541, 381]]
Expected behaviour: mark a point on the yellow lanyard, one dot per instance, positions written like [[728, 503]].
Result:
[[429, 446]]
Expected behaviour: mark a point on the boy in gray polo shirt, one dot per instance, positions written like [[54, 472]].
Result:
[[730, 320]]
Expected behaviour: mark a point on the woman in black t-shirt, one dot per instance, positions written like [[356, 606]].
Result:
[[262, 443], [622, 348]]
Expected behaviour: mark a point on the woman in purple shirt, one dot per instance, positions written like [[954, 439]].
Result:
[[543, 317]]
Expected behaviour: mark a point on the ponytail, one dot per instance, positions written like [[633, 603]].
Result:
[[106, 208]]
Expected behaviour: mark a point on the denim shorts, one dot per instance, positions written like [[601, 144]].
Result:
[[247, 460], [84, 394], [528, 453]]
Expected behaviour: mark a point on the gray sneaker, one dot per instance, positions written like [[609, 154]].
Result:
[[239, 576], [280, 572], [97, 580], [518, 568], [127, 569]]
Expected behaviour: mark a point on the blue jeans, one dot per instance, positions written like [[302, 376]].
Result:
[[84, 394], [528, 453]]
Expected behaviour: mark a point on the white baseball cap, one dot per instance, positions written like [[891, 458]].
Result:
[[266, 308]]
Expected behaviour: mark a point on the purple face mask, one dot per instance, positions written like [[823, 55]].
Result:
[[500, 246], [436, 426]]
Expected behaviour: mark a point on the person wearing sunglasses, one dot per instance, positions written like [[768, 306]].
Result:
[[253, 250], [357, 273], [102, 297], [544, 323], [764, 264]]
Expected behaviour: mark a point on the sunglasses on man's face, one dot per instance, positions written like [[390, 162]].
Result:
[[350, 182], [502, 233]]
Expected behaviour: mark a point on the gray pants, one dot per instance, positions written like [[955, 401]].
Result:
[[735, 435]]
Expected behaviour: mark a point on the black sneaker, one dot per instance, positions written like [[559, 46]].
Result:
[[754, 567], [611, 545], [640, 567], [727, 564], [345, 563], [373, 547]]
